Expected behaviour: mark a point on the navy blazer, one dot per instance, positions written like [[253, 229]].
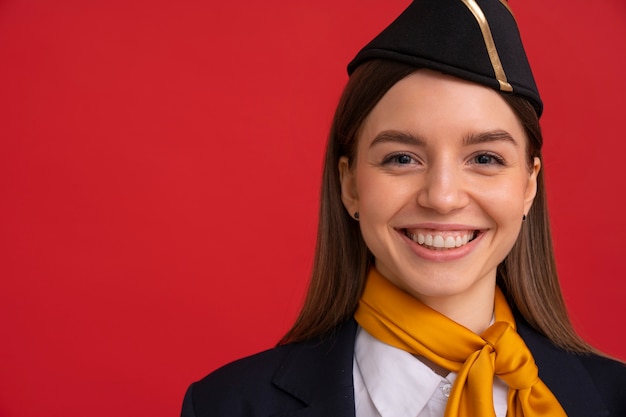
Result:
[[314, 379]]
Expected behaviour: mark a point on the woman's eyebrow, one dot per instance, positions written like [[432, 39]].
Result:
[[489, 136], [395, 136], [405, 138]]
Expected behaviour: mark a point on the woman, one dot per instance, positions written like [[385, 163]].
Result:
[[434, 290]]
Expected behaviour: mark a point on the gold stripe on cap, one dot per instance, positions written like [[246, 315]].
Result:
[[490, 44]]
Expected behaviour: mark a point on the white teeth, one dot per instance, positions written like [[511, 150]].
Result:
[[439, 242]]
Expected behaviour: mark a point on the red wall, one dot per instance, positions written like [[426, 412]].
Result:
[[159, 171]]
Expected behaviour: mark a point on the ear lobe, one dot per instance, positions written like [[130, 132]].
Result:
[[531, 187], [349, 195]]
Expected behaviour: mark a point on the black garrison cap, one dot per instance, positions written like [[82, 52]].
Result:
[[477, 40]]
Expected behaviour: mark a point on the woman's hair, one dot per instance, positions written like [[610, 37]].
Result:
[[527, 275]]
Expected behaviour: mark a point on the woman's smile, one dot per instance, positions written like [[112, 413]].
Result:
[[439, 245], [440, 239]]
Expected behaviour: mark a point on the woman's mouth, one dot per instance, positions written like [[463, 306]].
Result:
[[441, 240]]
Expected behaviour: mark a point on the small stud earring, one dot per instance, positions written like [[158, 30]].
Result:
[[356, 215], [524, 218]]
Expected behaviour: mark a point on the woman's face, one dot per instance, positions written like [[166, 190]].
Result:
[[441, 182]]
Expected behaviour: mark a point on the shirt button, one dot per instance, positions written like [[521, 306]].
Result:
[[446, 390]]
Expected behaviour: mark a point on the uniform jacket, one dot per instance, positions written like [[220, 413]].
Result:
[[314, 379]]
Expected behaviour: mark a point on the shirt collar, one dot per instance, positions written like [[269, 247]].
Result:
[[396, 381]]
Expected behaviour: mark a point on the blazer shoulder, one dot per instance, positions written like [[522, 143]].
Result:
[[238, 388], [585, 384], [260, 366], [313, 374], [609, 375]]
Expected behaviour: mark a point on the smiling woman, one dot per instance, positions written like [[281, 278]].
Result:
[[434, 290]]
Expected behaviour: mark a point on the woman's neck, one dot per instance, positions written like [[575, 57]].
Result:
[[473, 309]]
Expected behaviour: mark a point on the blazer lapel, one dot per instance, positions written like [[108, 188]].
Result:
[[564, 374], [320, 375]]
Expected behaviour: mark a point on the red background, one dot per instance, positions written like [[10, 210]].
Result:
[[159, 177]]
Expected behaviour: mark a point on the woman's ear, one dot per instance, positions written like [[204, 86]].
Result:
[[349, 195], [531, 187]]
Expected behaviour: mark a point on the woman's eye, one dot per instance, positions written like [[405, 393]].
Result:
[[403, 159], [399, 159], [488, 159]]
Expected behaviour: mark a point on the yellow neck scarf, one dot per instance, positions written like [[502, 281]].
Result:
[[396, 318]]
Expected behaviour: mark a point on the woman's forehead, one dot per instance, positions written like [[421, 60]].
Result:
[[427, 100]]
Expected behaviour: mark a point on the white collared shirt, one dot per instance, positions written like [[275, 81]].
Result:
[[389, 382]]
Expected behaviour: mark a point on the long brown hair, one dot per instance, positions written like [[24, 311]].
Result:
[[527, 275]]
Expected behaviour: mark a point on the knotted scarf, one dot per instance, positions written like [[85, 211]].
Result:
[[398, 319]]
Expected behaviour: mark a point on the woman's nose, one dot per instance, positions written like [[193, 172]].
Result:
[[443, 189]]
